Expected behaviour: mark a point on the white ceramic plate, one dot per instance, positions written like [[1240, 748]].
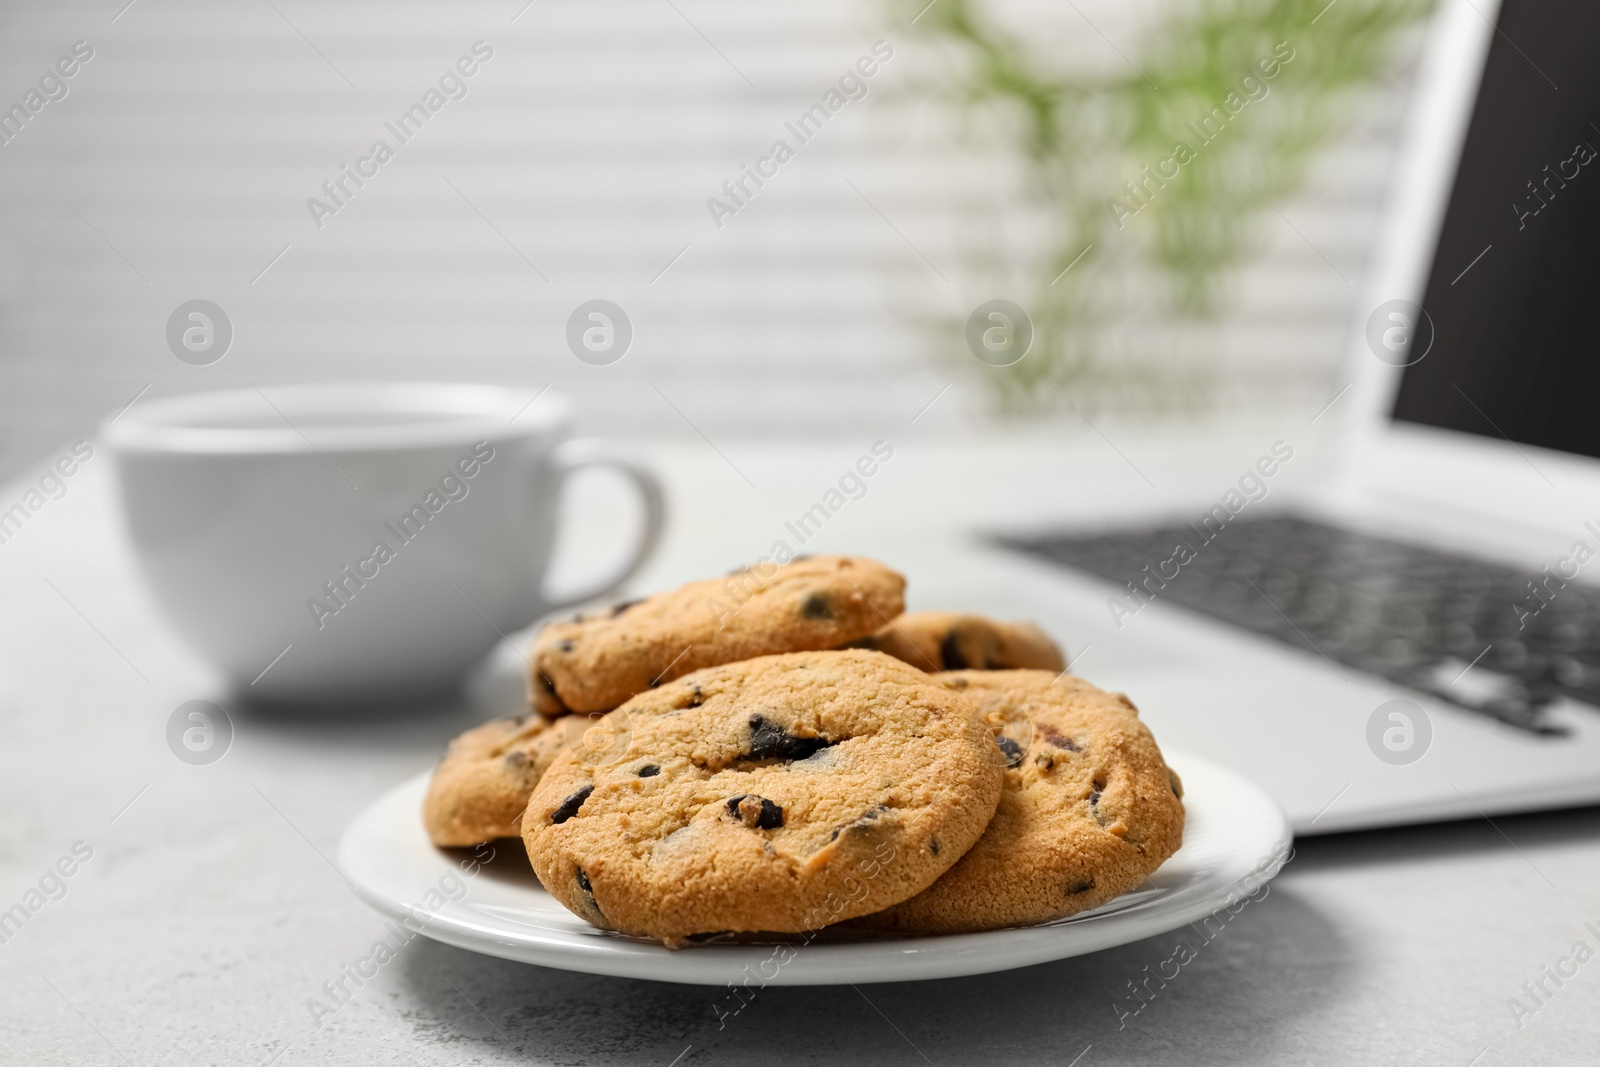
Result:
[[1235, 838]]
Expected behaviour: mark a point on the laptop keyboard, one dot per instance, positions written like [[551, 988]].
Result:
[[1416, 616]]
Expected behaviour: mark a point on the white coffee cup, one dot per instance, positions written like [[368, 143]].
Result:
[[326, 543]]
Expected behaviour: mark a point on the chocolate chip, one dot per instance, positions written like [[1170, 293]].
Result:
[[687, 695], [1094, 804], [950, 653], [588, 892], [933, 846], [758, 813], [1058, 739], [768, 740], [619, 608], [649, 770], [1012, 750], [866, 817], [1080, 887], [566, 645], [516, 758], [569, 807], [817, 606]]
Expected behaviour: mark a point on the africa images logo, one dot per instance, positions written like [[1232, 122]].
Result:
[[52, 87], [52, 485], [1253, 487], [852, 85], [452, 85], [1207, 128], [342, 587]]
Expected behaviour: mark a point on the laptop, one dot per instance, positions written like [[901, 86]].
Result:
[[1417, 636]]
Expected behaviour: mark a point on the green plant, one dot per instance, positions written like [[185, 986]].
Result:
[[1084, 136]]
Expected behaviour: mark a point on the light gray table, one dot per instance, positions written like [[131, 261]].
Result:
[[209, 912]]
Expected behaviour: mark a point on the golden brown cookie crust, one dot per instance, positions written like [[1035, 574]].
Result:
[[481, 786], [949, 641], [778, 794], [809, 603], [1089, 810]]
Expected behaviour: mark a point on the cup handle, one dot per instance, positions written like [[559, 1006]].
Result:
[[575, 455]]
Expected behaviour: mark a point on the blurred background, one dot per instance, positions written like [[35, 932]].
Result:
[[579, 165], [1193, 314]]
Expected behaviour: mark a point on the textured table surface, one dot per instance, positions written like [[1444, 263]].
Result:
[[207, 912]]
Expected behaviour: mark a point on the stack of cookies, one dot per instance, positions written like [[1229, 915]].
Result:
[[784, 749]]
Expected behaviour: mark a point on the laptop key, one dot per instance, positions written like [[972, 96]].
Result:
[[1417, 616]]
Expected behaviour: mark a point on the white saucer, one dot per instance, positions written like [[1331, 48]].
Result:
[[1235, 838]]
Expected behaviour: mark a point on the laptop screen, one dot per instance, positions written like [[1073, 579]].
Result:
[[1514, 291]]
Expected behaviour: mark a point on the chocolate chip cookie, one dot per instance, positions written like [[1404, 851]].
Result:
[[945, 641], [819, 602], [483, 783], [782, 793], [1089, 809]]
